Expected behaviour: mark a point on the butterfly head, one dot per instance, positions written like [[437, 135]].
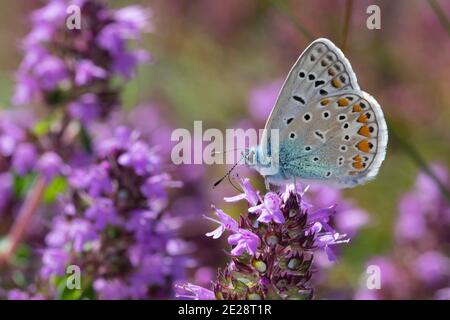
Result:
[[250, 156]]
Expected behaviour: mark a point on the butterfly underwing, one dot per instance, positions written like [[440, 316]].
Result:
[[329, 130]]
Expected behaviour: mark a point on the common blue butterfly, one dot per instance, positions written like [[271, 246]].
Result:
[[329, 129]]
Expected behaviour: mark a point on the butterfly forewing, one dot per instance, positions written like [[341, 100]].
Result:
[[321, 70]]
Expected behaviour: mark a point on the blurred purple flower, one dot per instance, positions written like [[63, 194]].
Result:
[[6, 184], [24, 158], [263, 98], [50, 165], [86, 70]]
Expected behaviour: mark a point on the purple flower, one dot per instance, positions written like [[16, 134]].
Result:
[[432, 267], [24, 158], [86, 70], [54, 262], [225, 223], [6, 184], [262, 99], [191, 291], [249, 193], [139, 157], [86, 108], [269, 210], [50, 165], [102, 212], [283, 246], [244, 240], [50, 71], [94, 179]]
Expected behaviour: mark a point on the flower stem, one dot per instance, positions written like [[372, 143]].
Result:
[[27, 211], [347, 19], [415, 155], [281, 7], [440, 14]]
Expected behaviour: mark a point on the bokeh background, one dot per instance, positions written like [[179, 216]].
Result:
[[223, 62]]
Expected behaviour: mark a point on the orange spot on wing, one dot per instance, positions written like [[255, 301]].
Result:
[[343, 102], [364, 146], [336, 83], [358, 165], [362, 118], [357, 158], [364, 131], [325, 102], [357, 108], [332, 72]]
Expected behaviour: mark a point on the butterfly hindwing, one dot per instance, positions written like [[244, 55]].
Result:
[[341, 139]]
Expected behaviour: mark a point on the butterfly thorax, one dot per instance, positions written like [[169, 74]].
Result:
[[260, 161]]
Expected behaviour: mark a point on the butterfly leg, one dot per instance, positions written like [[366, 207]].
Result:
[[267, 184], [296, 191]]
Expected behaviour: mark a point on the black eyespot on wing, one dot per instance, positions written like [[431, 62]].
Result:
[[346, 125], [292, 135], [319, 83], [319, 134], [299, 99], [311, 77], [328, 174], [313, 57], [288, 121], [307, 148], [307, 117], [301, 74], [323, 92]]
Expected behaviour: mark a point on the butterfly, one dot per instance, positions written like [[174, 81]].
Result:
[[328, 129]]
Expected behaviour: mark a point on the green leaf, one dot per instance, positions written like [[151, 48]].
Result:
[[56, 187], [22, 184]]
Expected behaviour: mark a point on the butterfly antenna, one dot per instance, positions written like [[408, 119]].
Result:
[[228, 173]]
